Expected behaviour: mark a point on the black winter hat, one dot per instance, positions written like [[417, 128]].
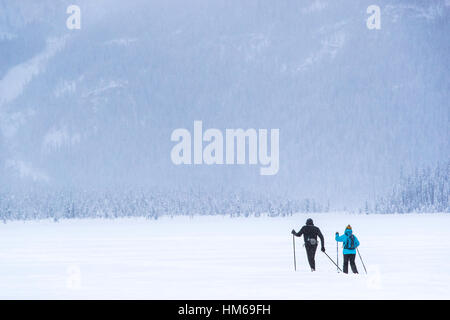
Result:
[[309, 222]]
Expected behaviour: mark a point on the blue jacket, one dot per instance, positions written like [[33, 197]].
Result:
[[344, 239]]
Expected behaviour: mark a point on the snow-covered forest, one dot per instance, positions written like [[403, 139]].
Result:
[[427, 190], [150, 204]]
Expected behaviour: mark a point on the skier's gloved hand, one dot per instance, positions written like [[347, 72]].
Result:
[[293, 231], [323, 249]]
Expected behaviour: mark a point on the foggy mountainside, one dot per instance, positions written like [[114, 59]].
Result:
[[93, 109]]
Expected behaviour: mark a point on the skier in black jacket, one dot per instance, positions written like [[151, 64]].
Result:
[[310, 233]]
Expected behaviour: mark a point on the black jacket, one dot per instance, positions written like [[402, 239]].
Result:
[[311, 232]]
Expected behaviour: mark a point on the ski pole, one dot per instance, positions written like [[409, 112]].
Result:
[[361, 260], [332, 261], [337, 254], [295, 260]]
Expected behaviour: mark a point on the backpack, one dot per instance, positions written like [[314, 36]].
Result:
[[350, 243]]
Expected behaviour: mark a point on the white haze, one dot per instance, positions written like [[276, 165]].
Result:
[[95, 108]]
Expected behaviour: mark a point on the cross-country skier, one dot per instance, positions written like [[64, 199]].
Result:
[[310, 233], [350, 243]]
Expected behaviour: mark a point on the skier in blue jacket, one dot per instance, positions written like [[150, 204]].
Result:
[[350, 243]]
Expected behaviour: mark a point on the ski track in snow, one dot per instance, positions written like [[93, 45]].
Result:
[[222, 258]]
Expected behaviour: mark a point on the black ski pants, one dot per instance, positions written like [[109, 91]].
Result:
[[311, 252], [350, 258]]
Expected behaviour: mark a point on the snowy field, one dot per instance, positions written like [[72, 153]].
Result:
[[407, 257]]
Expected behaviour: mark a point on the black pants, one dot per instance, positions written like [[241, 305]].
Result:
[[351, 258], [311, 252]]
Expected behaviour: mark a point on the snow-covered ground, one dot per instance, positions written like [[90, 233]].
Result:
[[407, 257]]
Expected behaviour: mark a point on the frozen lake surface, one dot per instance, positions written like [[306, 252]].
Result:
[[407, 257]]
